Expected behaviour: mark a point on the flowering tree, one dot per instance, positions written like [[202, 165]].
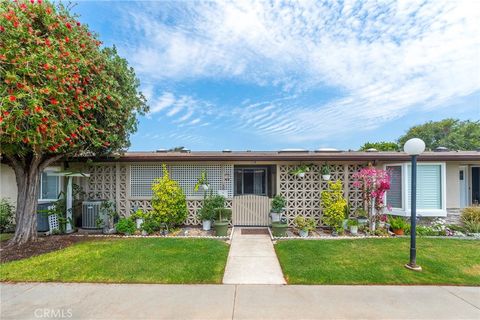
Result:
[[373, 183], [61, 95]]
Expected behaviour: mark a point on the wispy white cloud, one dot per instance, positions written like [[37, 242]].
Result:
[[386, 58]]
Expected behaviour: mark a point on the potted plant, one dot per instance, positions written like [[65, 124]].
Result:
[[222, 220], [207, 212], [325, 171], [361, 215], [202, 182], [300, 170], [278, 206], [346, 217], [138, 216], [279, 228], [398, 225], [304, 225], [353, 225]]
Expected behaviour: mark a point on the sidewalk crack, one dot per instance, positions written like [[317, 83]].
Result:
[[456, 295], [234, 302]]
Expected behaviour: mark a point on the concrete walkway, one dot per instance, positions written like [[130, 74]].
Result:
[[252, 260], [143, 301]]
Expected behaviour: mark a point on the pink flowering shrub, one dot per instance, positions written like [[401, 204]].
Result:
[[373, 184]]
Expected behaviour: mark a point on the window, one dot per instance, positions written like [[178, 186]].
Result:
[[251, 181], [49, 186], [430, 188], [394, 195]]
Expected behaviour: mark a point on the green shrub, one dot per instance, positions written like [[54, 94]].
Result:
[[151, 226], [305, 224], [223, 214], [471, 219], [168, 202], [210, 204], [278, 204], [397, 223], [7, 213], [333, 204], [125, 226]]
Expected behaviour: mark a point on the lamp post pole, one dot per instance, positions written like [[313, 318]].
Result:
[[414, 147], [413, 219]]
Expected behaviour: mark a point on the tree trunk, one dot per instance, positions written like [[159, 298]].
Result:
[[27, 172]]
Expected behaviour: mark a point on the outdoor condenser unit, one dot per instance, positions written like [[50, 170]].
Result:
[[91, 215]]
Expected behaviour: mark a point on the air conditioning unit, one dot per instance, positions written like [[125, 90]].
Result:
[[92, 215]]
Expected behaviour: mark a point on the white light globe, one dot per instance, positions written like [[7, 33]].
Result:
[[414, 146]]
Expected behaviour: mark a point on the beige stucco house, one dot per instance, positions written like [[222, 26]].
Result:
[[447, 181]]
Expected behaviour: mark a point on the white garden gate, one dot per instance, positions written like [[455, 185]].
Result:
[[251, 210]]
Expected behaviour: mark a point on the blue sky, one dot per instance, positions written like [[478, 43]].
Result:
[[271, 75]]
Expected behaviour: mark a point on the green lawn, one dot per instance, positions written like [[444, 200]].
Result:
[[131, 260], [379, 261]]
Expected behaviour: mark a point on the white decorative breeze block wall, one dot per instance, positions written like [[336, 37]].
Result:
[[112, 182], [303, 194]]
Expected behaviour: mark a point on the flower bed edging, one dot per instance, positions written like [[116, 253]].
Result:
[[225, 238]]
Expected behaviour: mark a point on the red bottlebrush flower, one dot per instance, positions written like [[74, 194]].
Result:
[[44, 119], [68, 25], [26, 140], [20, 85], [78, 23], [53, 148], [39, 1], [53, 101], [80, 128], [32, 1], [74, 136], [2, 28], [108, 97], [38, 109], [46, 66], [1, 119], [42, 128], [26, 112], [15, 23], [12, 98], [69, 111], [80, 108], [47, 42], [23, 6], [48, 10], [67, 39]]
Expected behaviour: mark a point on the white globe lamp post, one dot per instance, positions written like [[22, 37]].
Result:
[[414, 147]]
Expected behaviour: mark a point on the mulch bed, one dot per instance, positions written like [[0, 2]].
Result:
[[42, 245]]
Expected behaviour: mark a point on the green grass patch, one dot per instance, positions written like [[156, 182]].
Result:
[[379, 261], [6, 236], [150, 260]]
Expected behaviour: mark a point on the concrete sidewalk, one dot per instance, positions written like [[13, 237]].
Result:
[[142, 301], [252, 260]]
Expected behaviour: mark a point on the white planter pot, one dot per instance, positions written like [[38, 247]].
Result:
[[204, 187], [206, 225], [275, 216], [139, 223], [144, 233], [303, 233], [326, 177], [301, 175], [354, 230]]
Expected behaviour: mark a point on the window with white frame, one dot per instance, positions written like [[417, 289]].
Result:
[[49, 186], [430, 188]]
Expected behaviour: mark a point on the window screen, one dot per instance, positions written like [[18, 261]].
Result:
[[394, 195], [49, 187], [429, 186]]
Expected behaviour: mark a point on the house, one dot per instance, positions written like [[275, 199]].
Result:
[[447, 180]]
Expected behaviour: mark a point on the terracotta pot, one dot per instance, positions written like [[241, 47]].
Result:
[[398, 232]]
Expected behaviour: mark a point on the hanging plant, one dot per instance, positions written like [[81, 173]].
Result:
[[325, 171], [300, 170], [202, 182]]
